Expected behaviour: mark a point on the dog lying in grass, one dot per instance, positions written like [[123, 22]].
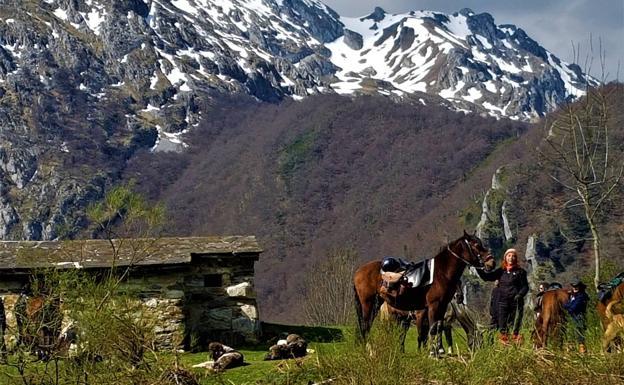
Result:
[[292, 347], [616, 324], [223, 357]]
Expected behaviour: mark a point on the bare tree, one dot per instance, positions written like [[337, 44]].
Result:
[[581, 156], [329, 289]]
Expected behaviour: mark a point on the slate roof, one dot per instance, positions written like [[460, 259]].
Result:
[[99, 253]]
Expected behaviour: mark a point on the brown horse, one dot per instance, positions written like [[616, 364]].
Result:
[[552, 318], [617, 295], [449, 264], [615, 327]]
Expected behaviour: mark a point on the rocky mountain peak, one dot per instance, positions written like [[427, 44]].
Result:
[[377, 15], [85, 83]]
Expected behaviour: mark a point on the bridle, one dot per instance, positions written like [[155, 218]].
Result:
[[479, 258]]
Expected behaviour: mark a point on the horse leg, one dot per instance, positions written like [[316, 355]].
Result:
[[437, 325], [448, 334], [609, 335], [470, 328], [435, 331], [544, 331], [405, 322], [422, 325]]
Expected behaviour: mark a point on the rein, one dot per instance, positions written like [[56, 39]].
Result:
[[448, 247]]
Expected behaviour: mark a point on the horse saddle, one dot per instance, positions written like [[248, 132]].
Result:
[[605, 289], [396, 271], [554, 286]]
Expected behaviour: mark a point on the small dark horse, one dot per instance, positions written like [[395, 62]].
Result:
[[449, 267], [551, 320], [457, 312], [39, 321]]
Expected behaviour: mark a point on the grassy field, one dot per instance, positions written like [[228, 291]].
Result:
[[337, 358], [347, 362]]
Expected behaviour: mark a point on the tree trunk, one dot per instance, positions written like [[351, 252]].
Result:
[[596, 242], [596, 237]]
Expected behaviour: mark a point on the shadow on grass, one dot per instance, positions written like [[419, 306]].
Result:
[[271, 332]]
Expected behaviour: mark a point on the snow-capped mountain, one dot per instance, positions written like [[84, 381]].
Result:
[[278, 48], [464, 58], [85, 83]]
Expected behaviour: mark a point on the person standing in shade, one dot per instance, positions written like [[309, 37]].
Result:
[[512, 287], [577, 308]]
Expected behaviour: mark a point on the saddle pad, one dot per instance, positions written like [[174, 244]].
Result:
[[391, 277], [605, 289], [616, 280]]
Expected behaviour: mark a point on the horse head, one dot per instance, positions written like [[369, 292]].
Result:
[[474, 253]]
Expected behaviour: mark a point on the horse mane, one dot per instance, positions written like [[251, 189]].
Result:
[[445, 248]]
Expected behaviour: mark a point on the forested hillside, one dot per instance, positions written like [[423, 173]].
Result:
[[381, 177], [329, 172]]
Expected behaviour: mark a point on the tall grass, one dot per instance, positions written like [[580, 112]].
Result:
[[382, 362]]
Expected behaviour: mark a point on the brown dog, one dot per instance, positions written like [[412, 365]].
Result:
[[224, 357], [293, 347], [615, 326]]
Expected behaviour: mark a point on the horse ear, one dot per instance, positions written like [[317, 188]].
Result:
[[465, 233], [474, 234]]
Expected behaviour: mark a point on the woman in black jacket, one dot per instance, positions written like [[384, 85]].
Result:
[[513, 286]]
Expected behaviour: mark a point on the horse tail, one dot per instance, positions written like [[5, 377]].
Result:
[[359, 314]]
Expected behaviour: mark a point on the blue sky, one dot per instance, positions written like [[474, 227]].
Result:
[[555, 24]]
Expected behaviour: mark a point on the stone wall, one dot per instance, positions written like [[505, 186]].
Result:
[[228, 312], [210, 299]]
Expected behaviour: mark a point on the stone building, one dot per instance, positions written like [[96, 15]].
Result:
[[200, 289]]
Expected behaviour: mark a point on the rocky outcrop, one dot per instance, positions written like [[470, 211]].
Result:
[[353, 39], [495, 224], [539, 267], [378, 15], [19, 165], [506, 228], [485, 214], [8, 218], [530, 254]]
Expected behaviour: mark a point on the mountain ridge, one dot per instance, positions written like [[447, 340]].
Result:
[[85, 84]]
